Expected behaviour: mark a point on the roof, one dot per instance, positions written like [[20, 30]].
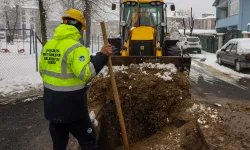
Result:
[[175, 14], [143, 1], [199, 31], [208, 17], [216, 3], [207, 13], [29, 7]]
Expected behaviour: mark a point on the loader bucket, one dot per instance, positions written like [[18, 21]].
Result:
[[181, 63]]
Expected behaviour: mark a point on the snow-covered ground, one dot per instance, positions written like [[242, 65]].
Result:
[[18, 71], [211, 60]]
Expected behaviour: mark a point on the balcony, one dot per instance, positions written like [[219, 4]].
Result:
[[227, 22]]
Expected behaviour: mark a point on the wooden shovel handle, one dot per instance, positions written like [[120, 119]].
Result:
[[115, 91]]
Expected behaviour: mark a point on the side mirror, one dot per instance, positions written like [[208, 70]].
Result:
[[223, 49], [122, 23], [113, 6], [163, 24], [172, 7]]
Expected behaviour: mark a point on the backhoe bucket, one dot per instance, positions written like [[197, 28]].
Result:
[[181, 63]]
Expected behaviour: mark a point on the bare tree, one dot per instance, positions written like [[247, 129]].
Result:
[[174, 24], [10, 16], [184, 25], [43, 21], [92, 9], [191, 23], [187, 20], [68, 4], [87, 14], [46, 8]]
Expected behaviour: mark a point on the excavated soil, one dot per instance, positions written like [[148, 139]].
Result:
[[149, 102]]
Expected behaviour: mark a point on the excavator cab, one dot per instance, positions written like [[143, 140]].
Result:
[[143, 33]]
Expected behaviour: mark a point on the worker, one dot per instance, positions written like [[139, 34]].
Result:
[[66, 69], [146, 17]]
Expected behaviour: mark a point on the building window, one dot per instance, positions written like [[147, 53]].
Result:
[[23, 12], [23, 19], [32, 26], [24, 26], [234, 7], [32, 19]]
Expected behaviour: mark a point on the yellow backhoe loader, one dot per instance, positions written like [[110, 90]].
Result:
[[143, 35]]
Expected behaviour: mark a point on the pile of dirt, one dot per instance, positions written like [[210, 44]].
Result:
[[150, 96]]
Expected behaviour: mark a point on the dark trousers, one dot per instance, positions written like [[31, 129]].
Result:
[[82, 130]]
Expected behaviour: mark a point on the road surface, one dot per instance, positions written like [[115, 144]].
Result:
[[24, 127], [208, 82], [211, 86]]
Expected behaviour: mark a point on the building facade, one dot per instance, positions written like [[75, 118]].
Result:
[[112, 27], [29, 16], [232, 14], [206, 21]]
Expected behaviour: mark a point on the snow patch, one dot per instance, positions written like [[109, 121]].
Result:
[[211, 60], [198, 31], [92, 118], [243, 45], [166, 75], [30, 99], [20, 84], [205, 114]]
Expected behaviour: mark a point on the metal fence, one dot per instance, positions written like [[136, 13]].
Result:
[[209, 43], [18, 53], [96, 43]]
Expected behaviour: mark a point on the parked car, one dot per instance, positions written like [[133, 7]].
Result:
[[235, 52], [190, 44]]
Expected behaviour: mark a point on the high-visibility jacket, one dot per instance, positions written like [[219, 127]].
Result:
[[64, 63], [66, 68]]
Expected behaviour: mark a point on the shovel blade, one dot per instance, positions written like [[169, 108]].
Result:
[[181, 63]]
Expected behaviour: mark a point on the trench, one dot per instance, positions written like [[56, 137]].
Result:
[[110, 137]]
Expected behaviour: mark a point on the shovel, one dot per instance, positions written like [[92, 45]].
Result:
[[115, 91]]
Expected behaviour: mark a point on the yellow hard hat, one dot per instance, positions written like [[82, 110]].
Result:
[[75, 14]]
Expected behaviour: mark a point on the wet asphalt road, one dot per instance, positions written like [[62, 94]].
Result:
[[23, 127], [208, 83]]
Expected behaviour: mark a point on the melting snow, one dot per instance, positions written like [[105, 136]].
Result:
[[211, 60], [243, 45], [20, 84], [205, 113], [168, 70], [92, 118]]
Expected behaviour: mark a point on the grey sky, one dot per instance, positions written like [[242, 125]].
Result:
[[199, 6]]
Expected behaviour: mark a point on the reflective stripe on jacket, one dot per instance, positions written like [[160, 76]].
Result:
[[64, 63]]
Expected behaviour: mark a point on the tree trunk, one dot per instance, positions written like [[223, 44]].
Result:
[[184, 25], [43, 22], [87, 15], [191, 23], [17, 10]]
